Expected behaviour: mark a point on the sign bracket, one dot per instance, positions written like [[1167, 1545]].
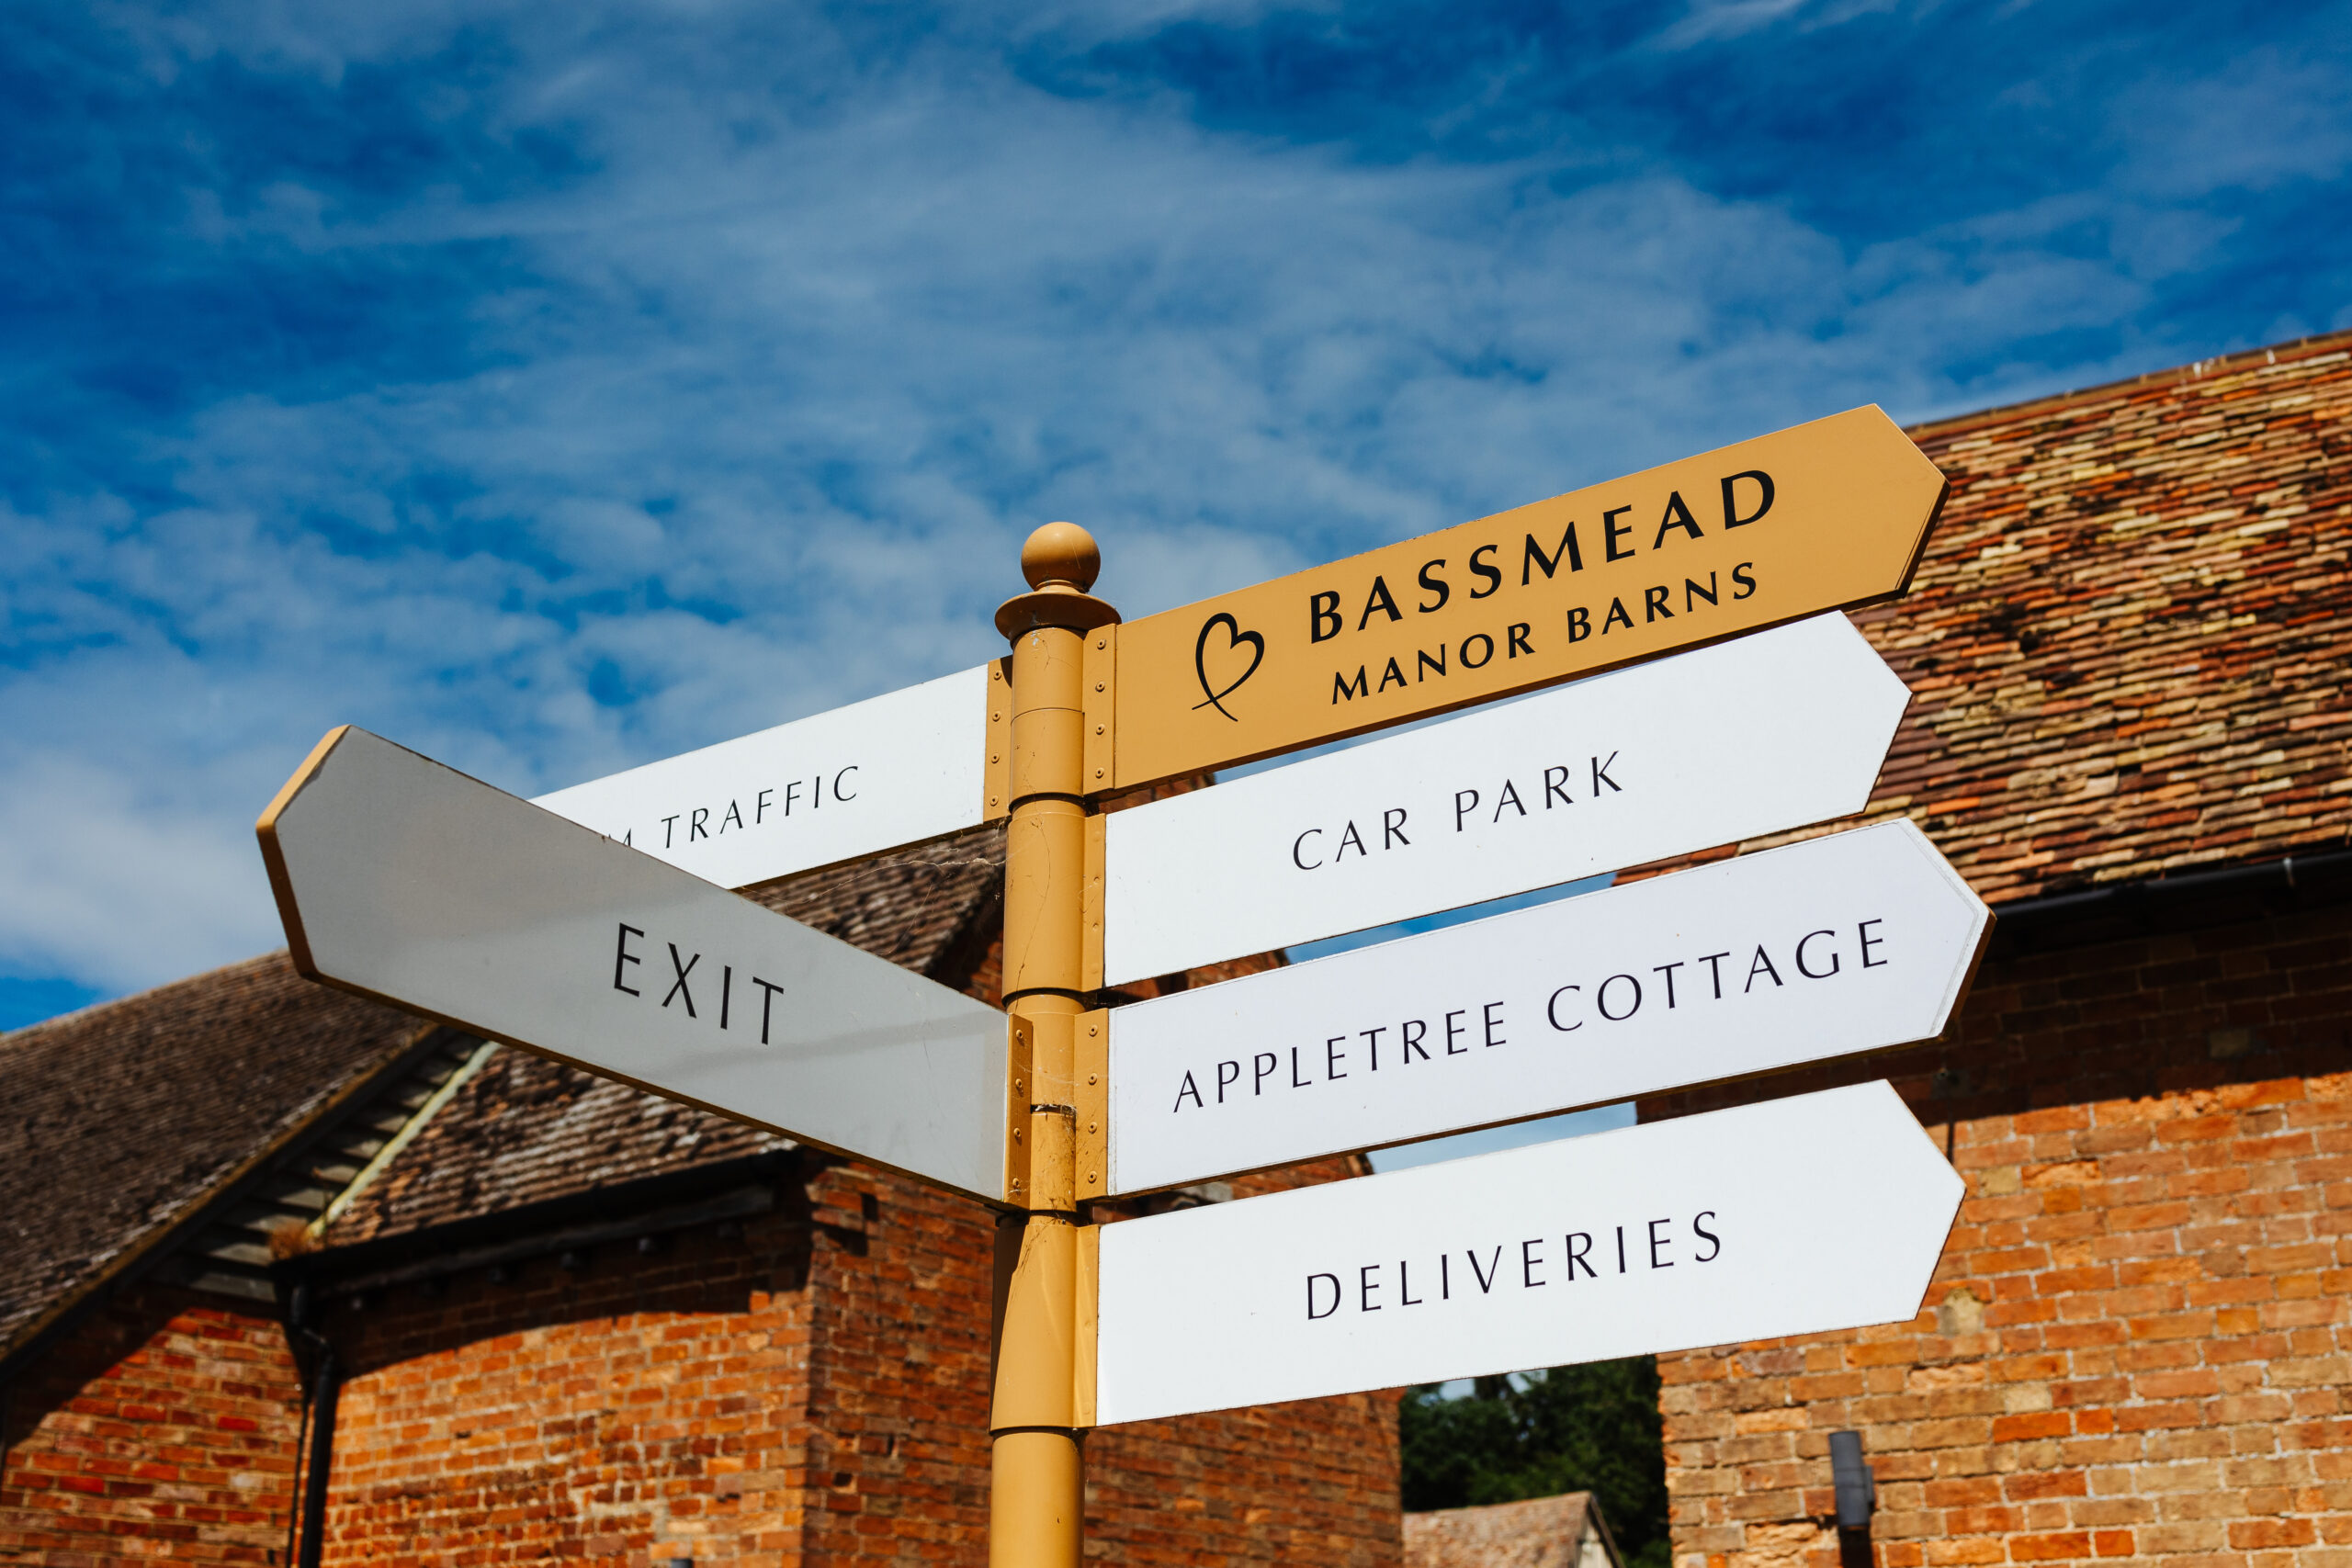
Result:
[[997, 782], [1100, 671], [1020, 1071], [1090, 1099], [1093, 901]]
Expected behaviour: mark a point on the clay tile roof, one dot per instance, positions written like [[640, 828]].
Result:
[[2130, 638], [911, 906], [1542, 1532], [121, 1119], [525, 1129]]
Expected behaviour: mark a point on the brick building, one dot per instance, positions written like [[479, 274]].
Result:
[[1562, 1531], [556, 1318], [2130, 644], [567, 1320]]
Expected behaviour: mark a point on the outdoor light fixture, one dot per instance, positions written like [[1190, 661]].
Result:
[[1851, 1474]]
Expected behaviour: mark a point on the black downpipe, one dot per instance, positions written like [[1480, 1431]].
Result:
[[1856, 1491], [324, 1385], [315, 1447]]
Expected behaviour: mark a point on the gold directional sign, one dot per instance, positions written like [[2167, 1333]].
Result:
[[1822, 516]]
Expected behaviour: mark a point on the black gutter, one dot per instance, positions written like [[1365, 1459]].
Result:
[[728, 1188], [2186, 901]]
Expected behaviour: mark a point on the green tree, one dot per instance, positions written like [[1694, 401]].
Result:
[[1585, 1428]]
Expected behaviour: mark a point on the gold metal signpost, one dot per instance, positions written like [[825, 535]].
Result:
[[1820, 516], [1039, 1404]]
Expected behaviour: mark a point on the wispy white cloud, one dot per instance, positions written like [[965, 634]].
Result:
[[725, 353], [2250, 123]]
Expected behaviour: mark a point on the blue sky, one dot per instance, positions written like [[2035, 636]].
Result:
[[553, 387]]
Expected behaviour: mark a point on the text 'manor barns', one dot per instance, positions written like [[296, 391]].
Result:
[[1822, 515]]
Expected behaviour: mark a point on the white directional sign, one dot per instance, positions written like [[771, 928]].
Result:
[[1794, 1216], [892, 770], [1845, 944], [1750, 737], [403, 880]]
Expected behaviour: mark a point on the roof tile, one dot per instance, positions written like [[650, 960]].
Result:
[[2128, 641], [123, 1116]]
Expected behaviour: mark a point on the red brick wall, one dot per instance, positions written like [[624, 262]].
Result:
[[632, 1406], [1313, 1481], [1309, 1482], [898, 1463], [163, 1429], [814, 1392], [900, 1395], [810, 1389], [2137, 1344]]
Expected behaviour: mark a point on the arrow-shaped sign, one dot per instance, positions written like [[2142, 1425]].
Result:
[[403, 880], [1752, 737], [893, 770], [1820, 516], [1839, 944], [1796, 1216]]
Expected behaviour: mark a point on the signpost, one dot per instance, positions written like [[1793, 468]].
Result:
[[1851, 943], [1794, 1216], [1731, 742], [403, 880], [891, 770], [1822, 516]]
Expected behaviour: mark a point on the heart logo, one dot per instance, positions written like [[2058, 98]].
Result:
[[1234, 637]]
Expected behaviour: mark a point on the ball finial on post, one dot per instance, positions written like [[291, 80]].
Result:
[[1061, 552], [1060, 561]]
